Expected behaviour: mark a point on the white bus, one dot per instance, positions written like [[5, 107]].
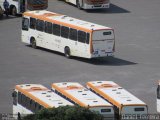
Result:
[[20, 6], [67, 35], [125, 104], [158, 97], [90, 4], [29, 98], [79, 95]]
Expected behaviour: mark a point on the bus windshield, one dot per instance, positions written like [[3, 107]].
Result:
[[37, 4]]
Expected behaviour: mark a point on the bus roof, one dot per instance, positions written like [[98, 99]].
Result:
[[114, 93], [79, 94], [42, 95], [65, 20]]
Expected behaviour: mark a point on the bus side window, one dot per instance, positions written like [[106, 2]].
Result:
[[81, 36], [158, 92], [73, 34], [32, 23], [64, 31], [40, 25], [25, 24], [56, 29], [48, 27]]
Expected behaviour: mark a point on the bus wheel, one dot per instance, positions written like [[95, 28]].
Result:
[[33, 43], [67, 52], [14, 11], [78, 4]]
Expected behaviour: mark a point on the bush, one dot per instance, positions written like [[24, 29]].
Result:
[[64, 113]]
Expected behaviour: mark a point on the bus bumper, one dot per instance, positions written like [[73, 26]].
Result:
[[96, 55], [100, 6]]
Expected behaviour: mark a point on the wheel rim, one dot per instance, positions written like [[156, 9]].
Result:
[[14, 11], [33, 44]]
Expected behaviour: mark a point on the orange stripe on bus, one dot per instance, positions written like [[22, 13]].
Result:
[[69, 96], [26, 93], [43, 17]]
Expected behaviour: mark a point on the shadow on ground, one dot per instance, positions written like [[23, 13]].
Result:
[[108, 61]]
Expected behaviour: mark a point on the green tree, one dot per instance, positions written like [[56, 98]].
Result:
[[65, 113]]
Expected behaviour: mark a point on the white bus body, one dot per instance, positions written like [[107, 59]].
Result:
[[158, 97], [90, 4], [29, 98], [79, 95], [124, 102], [68, 35], [20, 6]]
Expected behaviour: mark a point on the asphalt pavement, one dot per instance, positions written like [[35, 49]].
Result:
[[136, 65]]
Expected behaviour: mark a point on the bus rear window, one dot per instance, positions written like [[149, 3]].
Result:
[[138, 109], [107, 33], [105, 110]]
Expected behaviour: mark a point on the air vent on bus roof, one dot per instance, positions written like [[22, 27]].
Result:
[[48, 96], [60, 103], [99, 82], [71, 20], [63, 17], [118, 92]]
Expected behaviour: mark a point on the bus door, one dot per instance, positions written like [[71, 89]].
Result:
[[82, 43]]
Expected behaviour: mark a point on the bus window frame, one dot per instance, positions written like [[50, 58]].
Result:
[[40, 25], [65, 32], [73, 34], [25, 24], [33, 23], [56, 29], [48, 27]]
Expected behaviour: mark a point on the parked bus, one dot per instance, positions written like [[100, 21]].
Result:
[[20, 6], [29, 98], [90, 4], [158, 97], [125, 104], [67, 35], [79, 95]]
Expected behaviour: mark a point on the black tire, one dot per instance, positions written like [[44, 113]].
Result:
[[78, 5], [33, 43], [67, 52], [14, 11]]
